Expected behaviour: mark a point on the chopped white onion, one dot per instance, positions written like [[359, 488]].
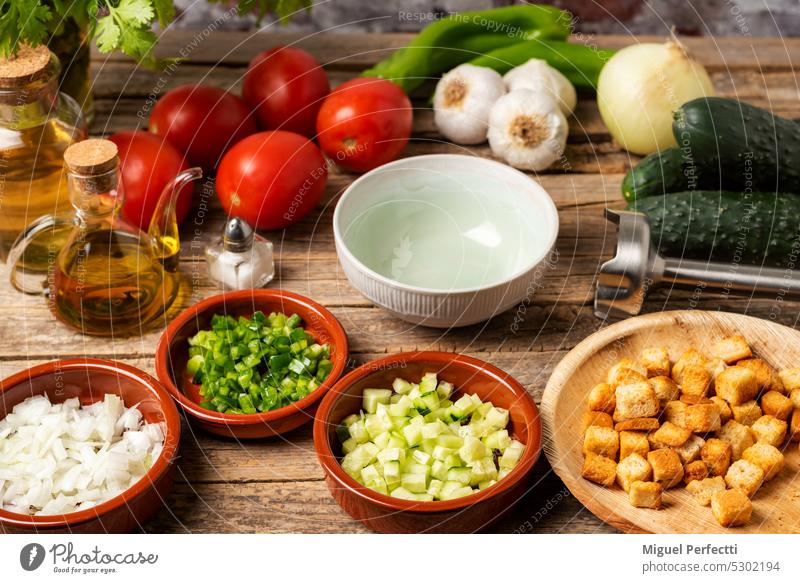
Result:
[[58, 459]]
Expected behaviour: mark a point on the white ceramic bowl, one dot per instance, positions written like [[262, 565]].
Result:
[[445, 240]]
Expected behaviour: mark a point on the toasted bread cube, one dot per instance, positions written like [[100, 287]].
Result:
[[731, 508], [628, 376], [725, 413], [696, 470], [667, 467], [737, 385], [695, 380], [633, 468], [745, 476], [645, 494], [794, 397], [598, 419], [771, 430], [636, 400], [717, 455], [794, 427], [602, 398], [691, 356], [665, 388], [715, 366], [656, 361], [765, 456], [732, 348], [763, 371], [675, 412], [746, 413], [654, 445], [790, 379], [690, 451], [671, 435], [739, 436], [602, 441], [702, 418], [599, 469], [695, 400], [776, 404], [703, 490], [618, 371], [638, 424], [631, 442]]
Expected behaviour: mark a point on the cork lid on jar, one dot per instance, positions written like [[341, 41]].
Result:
[[92, 162], [28, 65]]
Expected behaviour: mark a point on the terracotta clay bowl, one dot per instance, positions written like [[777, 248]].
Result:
[[90, 380], [392, 515], [172, 353]]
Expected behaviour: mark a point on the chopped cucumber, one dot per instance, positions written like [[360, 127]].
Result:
[[372, 397]]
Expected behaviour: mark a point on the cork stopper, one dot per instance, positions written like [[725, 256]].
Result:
[[29, 64], [92, 163]]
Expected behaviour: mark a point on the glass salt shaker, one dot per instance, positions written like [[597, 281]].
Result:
[[242, 259]]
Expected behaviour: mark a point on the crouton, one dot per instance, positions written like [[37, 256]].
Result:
[[671, 435], [771, 430], [716, 453], [656, 361], [665, 388], [696, 470], [794, 427], [667, 467], [776, 404], [638, 424], [762, 370], [618, 371], [794, 397], [599, 469], [675, 412], [690, 451], [766, 457], [694, 399], [598, 419], [602, 441], [702, 418], [725, 413], [731, 508], [737, 385], [715, 366], [633, 468], [602, 398], [703, 490], [645, 494], [746, 413], [739, 436], [790, 378], [636, 400], [691, 356], [631, 442], [695, 380], [745, 476], [732, 348]]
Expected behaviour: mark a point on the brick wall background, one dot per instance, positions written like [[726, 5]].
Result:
[[689, 17]]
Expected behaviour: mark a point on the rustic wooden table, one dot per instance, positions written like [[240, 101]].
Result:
[[277, 485]]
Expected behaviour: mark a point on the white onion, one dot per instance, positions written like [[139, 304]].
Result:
[[57, 459], [641, 86]]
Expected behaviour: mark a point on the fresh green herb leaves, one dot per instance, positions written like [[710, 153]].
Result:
[[22, 19]]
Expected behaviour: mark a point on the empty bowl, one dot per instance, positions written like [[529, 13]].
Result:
[[90, 380], [392, 515], [445, 240], [172, 354]]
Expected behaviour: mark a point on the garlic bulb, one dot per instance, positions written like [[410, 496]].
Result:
[[462, 102], [641, 86], [537, 75], [527, 129]]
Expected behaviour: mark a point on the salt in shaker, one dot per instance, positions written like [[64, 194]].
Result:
[[242, 259]]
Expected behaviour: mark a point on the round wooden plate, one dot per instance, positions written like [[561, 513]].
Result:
[[776, 506]]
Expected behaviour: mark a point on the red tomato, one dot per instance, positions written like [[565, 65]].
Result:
[[201, 121], [364, 123], [272, 179], [147, 164], [285, 86]]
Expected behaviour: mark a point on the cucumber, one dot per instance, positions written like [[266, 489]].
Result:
[[757, 151], [373, 397], [750, 228], [669, 171]]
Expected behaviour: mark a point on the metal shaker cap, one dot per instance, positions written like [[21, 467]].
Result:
[[238, 236]]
